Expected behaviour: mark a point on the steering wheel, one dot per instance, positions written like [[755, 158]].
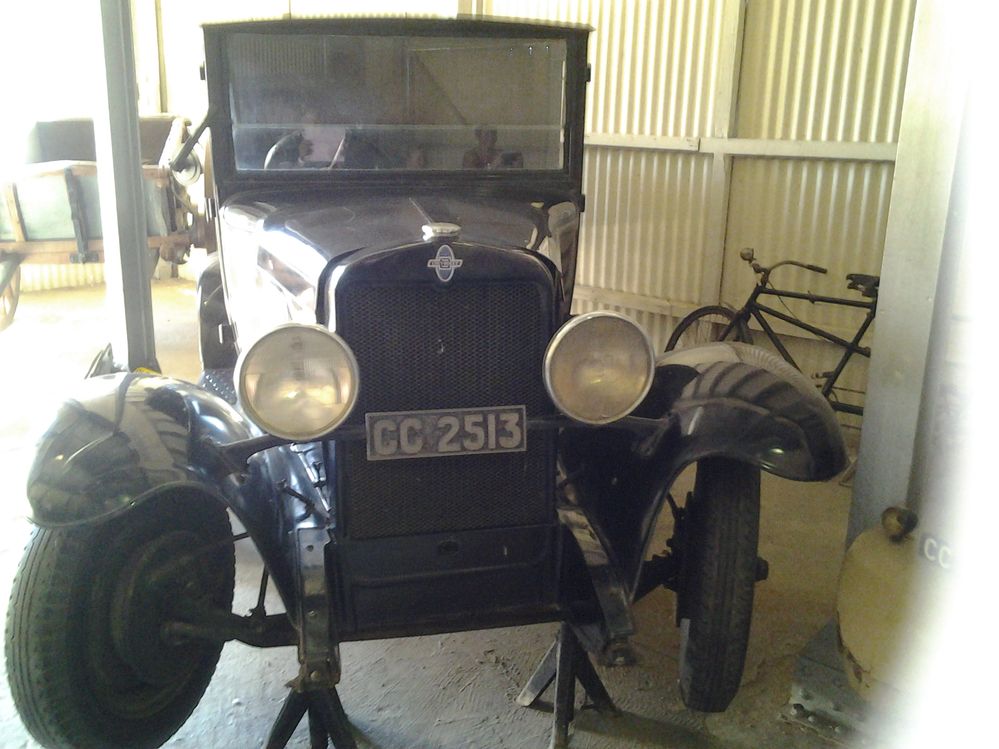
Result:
[[284, 153]]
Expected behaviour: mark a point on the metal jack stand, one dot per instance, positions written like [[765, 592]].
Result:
[[565, 662], [327, 720]]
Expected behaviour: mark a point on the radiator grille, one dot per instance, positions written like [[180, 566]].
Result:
[[428, 347]]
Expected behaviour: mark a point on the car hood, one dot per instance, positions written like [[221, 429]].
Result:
[[279, 249], [337, 225]]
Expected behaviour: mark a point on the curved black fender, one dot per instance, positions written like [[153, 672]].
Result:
[[128, 437], [216, 352], [723, 399]]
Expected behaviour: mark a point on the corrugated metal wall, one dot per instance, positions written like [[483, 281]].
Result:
[[36, 277], [827, 70], [654, 65], [644, 228], [815, 72]]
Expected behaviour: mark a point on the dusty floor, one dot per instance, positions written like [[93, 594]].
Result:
[[453, 691]]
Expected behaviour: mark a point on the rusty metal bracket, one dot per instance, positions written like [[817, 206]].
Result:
[[318, 650], [612, 595]]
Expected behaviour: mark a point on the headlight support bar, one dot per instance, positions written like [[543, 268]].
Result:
[[235, 455]]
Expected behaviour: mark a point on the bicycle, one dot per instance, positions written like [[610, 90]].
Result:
[[718, 323]]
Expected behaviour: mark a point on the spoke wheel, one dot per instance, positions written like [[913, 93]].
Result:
[[87, 664], [707, 325], [9, 298], [718, 573]]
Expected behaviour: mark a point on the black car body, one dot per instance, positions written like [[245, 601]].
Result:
[[413, 187]]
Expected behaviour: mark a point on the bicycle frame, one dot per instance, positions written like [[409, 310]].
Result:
[[753, 309]]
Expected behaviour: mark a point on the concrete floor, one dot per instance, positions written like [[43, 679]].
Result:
[[453, 691]]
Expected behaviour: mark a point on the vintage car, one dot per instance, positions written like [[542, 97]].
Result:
[[397, 405]]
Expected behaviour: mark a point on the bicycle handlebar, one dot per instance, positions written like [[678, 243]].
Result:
[[749, 255], [866, 285], [806, 266]]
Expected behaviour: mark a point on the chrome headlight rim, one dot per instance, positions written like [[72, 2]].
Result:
[[265, 424], [564, 332]]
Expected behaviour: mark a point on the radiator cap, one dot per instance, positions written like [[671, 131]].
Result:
[[440, 230]]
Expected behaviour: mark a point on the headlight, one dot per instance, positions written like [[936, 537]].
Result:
[[599, 367], [297, 381]]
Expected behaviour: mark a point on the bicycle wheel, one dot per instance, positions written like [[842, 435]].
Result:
[[706, 325]]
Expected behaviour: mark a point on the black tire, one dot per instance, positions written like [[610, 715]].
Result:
[[85, 660], [715, 597], [706, 325], [9, 299]]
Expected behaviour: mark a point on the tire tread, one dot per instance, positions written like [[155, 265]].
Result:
[[38, 642], [724, 526]]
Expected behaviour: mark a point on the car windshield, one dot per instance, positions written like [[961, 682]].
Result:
[[309, 101]]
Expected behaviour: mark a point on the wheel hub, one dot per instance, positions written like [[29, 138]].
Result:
[[152, 588]]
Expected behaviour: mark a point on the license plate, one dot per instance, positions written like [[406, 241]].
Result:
[[438, 434]]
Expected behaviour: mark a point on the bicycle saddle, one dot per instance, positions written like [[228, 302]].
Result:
[[866, 285]]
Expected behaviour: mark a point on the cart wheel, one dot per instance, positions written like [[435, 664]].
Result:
[[718, 573], [85, 657], [706, 325], [8, 300]]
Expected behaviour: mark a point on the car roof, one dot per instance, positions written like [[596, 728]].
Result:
[[405, 25]]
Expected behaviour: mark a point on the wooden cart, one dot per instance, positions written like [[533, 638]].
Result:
[[50, 210]]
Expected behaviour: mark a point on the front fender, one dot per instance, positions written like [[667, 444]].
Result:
[[723, 399], [745, 403], [127, 437], [123, 437]]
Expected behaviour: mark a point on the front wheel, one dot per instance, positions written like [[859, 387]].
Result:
[[86, 661], [718, 572], [706, 325]]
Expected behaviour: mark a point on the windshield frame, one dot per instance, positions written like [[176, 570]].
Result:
[[565, 180]]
